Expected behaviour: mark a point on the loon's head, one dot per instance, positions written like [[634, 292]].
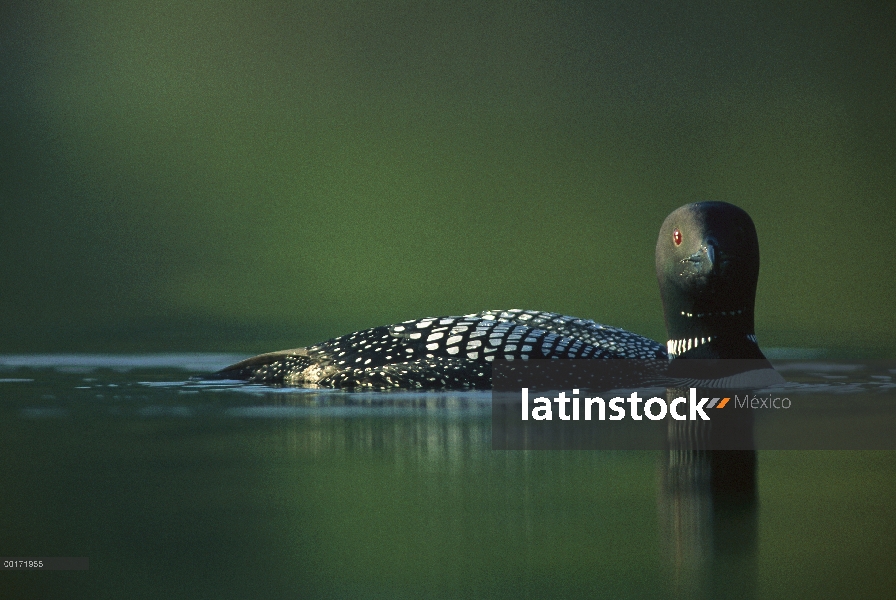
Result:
[[707, 263]]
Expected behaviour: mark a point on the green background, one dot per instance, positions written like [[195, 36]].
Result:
[[247, 176]]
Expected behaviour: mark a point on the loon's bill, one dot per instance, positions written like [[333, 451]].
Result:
[[707, 262]]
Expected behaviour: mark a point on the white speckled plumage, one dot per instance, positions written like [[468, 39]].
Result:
[[443, 352]]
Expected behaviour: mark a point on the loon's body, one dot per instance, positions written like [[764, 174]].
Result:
[[443, 352], [707, 260]]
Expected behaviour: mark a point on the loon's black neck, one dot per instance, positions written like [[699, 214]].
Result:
[[711, 332]]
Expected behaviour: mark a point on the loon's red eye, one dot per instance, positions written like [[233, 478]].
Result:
[[676, 237]]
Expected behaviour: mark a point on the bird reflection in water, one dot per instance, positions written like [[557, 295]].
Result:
[[708, 507]]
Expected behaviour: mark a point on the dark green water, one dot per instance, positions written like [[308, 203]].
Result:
[[225, 491]]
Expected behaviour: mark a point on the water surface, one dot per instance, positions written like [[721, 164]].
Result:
[[185, 489]]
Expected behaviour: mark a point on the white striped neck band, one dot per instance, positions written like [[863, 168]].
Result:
[[724, 313], [676, 347]]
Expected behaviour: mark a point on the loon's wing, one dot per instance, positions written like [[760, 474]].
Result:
[[621, 343], [452, 352]]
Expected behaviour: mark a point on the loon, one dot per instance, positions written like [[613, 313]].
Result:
[[707, 264]]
